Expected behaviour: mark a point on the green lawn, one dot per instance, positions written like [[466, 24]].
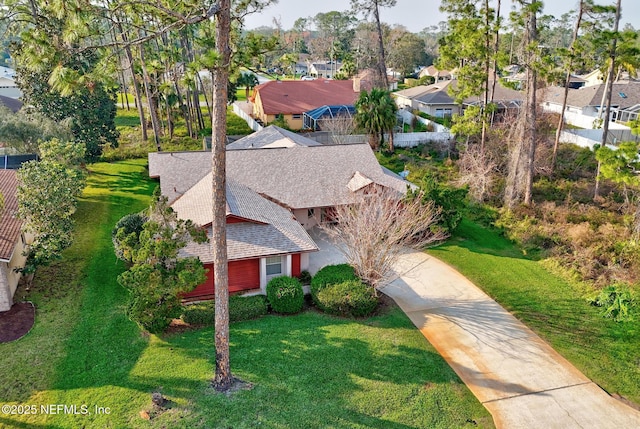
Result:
[[308, 370], [606, 351]]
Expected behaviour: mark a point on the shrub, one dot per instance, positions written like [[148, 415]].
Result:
[[285, 294], [240, 308], [305, 277], [617, 302], [331, 274], [246, 308], [348, 298], [153, 314], [129, 224]]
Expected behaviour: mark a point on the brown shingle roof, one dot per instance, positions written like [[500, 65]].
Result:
[[9, 223], [299, 96], [276, 233]]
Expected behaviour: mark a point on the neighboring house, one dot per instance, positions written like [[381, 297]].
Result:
[[406, 98], [12, 104], [583, 104], [12, 241], [273, 196], [9, 87], [438, 75], [593, 78], [292, 98], [325, 69], [435, 99]]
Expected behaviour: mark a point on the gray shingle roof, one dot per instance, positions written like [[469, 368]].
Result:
[[297, 177], [271, 136], [273, 232], [592, 95]]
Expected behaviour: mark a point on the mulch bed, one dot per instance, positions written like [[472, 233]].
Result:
[[17, 322]]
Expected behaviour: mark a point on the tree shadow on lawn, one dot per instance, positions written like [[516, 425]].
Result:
[[312, 370], [137, 182]]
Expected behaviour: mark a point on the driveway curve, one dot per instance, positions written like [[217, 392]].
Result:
[[519, 378]]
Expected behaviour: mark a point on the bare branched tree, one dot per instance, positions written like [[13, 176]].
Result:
[[478, 170], [338, 128], [372, 233]]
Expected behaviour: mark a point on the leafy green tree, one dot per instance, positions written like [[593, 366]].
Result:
[[158, 274], [24, 130], [376, 114], [620, 165], [408, 52], [47, 199]]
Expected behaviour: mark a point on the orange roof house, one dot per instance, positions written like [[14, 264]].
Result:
[[291, 98]]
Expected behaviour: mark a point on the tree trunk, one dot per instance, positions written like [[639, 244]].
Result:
[[136, 86], [567, 81], [609, 91], [223, 378], [153, 108], [382, 65], [521, 167], [531, 109]]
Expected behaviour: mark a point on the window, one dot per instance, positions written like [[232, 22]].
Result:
[[443, 113], [296, 116], [311, 213], [274, 265]]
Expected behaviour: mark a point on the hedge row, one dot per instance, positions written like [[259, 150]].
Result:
[[240, 308]]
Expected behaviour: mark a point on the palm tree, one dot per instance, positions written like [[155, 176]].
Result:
[[376, 114], [248, 80]]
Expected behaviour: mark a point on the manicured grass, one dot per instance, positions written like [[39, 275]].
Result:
[[308, 370], [127, 118], [606, 351]]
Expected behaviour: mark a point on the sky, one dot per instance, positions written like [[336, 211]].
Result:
[[413, 14]]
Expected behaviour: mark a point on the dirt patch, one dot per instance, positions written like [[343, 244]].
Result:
[[17, 322]]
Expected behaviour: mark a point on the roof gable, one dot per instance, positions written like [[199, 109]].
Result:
[[270, 137], [270, 230]]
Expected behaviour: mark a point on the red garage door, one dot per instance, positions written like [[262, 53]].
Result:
[[243, 275]]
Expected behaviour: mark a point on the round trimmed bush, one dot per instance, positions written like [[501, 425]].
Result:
[[331, 274], [285, 294], [348, 298]]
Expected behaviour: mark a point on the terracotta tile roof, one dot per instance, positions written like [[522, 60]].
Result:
[[270, 137], [9, 223], [274, 232], [299, 96]]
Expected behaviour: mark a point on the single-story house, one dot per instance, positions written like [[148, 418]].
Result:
[[438, 75], [274, 195], [583, 104], [325, 69], [13, 243], [435, 99], [292, 98]]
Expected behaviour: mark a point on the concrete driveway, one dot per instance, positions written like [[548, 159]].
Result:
[[518, 377]]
